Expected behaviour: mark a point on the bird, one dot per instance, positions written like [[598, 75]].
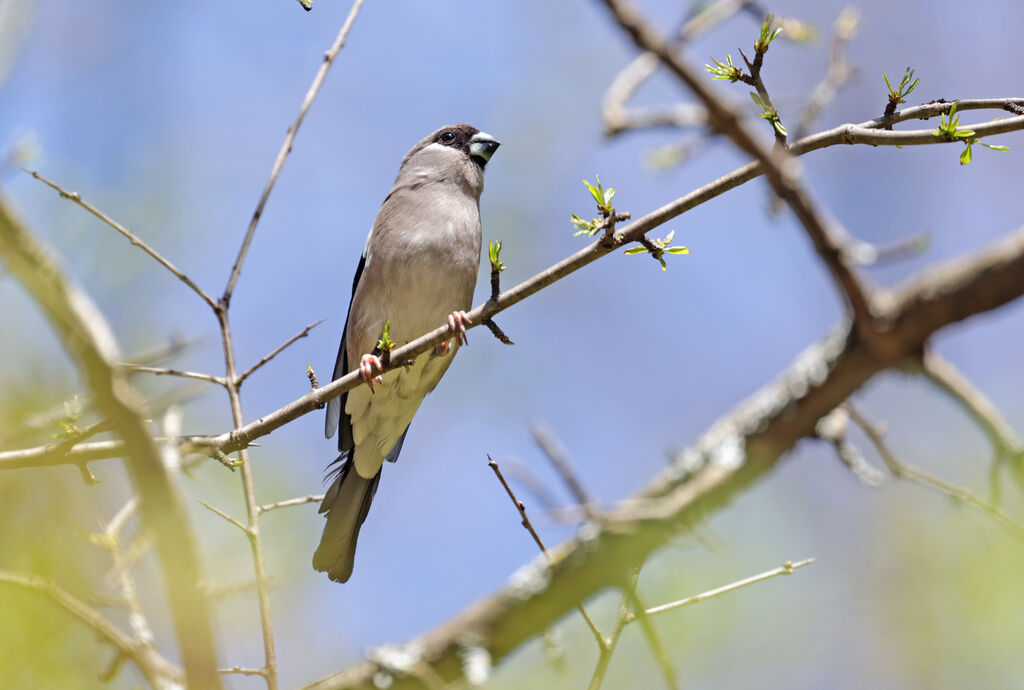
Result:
[[418, 269]]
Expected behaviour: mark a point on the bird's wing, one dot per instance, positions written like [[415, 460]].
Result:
[[336, 407]]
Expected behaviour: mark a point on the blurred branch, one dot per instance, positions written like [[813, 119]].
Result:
[[602, 642], [832, 429], [158, 671], [559, 457], [286, 147], [278, 350], [619, 118], [132, 237], [85, 334], [858, 253], [246, 671], [740, 448], [904, 470], [837, 73], [827, 236], [605, 657], [1004, 439], [639, 613]]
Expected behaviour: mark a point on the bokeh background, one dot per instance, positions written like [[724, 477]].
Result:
[[169, 115]]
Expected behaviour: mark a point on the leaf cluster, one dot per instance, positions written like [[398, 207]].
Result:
[[603, 198], [658, 249]]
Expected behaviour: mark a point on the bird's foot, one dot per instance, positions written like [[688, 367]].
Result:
[[457, 321], [366, 366]]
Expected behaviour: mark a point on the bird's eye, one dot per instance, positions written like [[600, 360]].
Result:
[[448, 136]]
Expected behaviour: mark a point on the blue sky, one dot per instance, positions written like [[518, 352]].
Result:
[[169, 115]]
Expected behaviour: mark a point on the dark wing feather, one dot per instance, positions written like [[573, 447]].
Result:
[[336, 407]]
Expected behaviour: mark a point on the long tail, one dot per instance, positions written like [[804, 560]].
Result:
[[346, 503]]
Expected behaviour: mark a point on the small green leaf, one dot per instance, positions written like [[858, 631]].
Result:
[[965, 157], [677, 250], [385, 343], [995, 147], [636, 250], [757, 101]]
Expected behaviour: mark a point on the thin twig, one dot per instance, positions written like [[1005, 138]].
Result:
[[278, 350], [837, 74], [786, 568], [301, 500], [602, 643], [244, 671], [227, 517], [160, 371], [904, 470], [132, 237], [231, 370], [661, 656], [497, 332], [605, 656], [832, 429], [619, 118], [828, 237], [286, 147]]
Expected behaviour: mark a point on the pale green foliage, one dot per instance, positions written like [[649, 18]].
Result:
[[949, 129], [907, 84], [661, 248], [603, 198], [494, 253], [385, 344]]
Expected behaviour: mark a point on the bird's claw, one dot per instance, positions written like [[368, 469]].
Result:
[[457, 321], [366, 367]]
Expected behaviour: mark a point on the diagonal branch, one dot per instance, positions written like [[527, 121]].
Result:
[[602, 642], [286, 147], [1004, 439], [868, 133], [827, 236], [913, 473], [278, 350], [158, 671], [161, 371], [740, 448], [132, 237], [786, 568]]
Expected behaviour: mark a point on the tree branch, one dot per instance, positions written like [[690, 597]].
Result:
[[160, 371], [157, 670], [863, 133], [132, 237], [904, 470], [286, 147], [278, 350], [1004, 439], [86, 335], [740, 448]]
